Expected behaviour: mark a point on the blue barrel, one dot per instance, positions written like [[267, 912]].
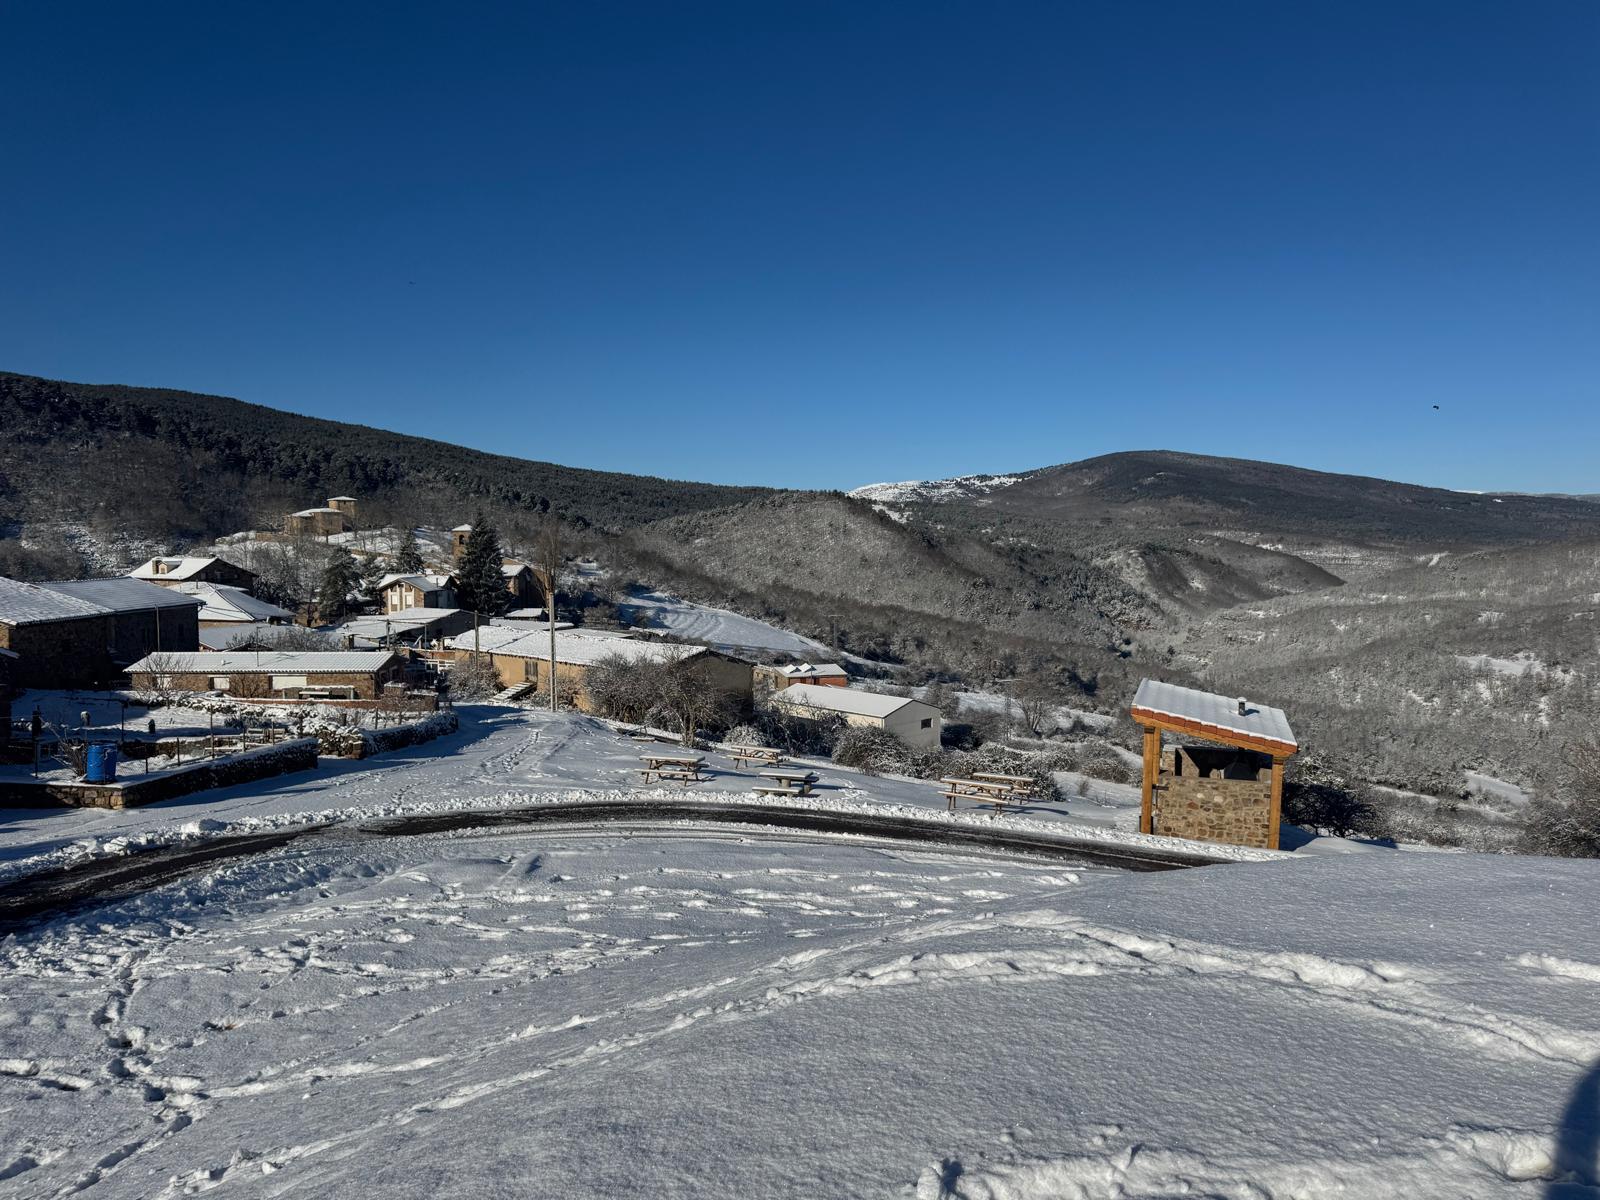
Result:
[[102, 765]]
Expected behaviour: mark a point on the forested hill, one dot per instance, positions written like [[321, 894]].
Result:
[[180, 465]]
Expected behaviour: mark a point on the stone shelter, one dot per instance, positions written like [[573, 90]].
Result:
[[1230, 791]]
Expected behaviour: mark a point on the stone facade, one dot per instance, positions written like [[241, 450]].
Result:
[[261, 763], [1214, 795], [60, 654], [136, 634]]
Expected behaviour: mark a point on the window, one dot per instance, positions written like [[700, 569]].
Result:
[[282, 683], [927, 722], [220, 683]]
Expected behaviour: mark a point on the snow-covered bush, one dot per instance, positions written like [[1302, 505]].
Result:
[[745, 735], [474, 679]]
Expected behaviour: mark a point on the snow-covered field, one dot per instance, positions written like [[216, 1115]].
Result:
[[500, 758], [718, 627], [674, 1012], [665, 1010]]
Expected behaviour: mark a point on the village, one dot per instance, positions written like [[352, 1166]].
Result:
[[179, 679]]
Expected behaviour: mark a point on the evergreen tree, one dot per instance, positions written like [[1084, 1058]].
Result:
[[408, 561], [340, 577], [373, 572], [480, 584]]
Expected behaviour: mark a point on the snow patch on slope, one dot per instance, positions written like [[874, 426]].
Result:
[[932, 491]]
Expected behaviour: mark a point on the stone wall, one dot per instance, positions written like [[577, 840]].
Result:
[[261, 763], [60, 654], [1213, 796]]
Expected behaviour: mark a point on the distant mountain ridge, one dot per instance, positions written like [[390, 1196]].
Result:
[[182, 465], [1169, 489]]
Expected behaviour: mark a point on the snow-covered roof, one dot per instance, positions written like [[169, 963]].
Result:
[[315, 512], [220, 637], [573, 646], [1217, 714], [462, 529], [510, 569], [282, 662], [123, 594], [220, 602], [844, 700], [178, 566], [524, 614], [33, 604], [423, 583], [407, 620], [812, 670], [331, 499]]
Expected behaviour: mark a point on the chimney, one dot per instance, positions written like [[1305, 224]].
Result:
[[1243, 707]]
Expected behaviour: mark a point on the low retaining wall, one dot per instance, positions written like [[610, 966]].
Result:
[[298, 754]]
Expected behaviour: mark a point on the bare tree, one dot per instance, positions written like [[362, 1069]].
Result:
[[163, 687]]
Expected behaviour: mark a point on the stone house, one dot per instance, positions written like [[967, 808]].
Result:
[[59, 640], [192, 568], [275, 674], [522, 657], [522, 582], [397, 593], [145, 619], [918, 725], [819, 674], [1230, 794], [338, 515]]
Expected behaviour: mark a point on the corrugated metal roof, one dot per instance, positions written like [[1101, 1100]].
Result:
[[844, 700], [224, 603], [1220, 713], [123, 594], [282, 662], [33, 604]]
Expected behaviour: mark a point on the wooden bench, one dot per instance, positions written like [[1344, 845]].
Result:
[[1019, 785], [797, 781], [754, 754], [681, 768], [979, 791]]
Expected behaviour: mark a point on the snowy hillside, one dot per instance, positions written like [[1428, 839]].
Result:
[[961, 487]]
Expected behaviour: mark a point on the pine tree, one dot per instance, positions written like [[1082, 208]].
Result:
[[408, 560], [480, 584], [340, 577]]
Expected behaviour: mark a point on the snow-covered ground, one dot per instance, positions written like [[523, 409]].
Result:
[[718, 627], [676, 1012], [500, 758]]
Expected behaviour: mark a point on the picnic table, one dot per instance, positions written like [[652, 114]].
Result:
[[787, 781], [753, 754], [685, 768], [1020, 785], [979, 791]]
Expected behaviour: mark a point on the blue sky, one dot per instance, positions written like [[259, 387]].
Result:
[[827, 244]]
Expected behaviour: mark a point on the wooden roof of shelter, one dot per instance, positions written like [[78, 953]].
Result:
[[1158, 705]]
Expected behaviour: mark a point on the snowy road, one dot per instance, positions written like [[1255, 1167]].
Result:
[[595, 1014]]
